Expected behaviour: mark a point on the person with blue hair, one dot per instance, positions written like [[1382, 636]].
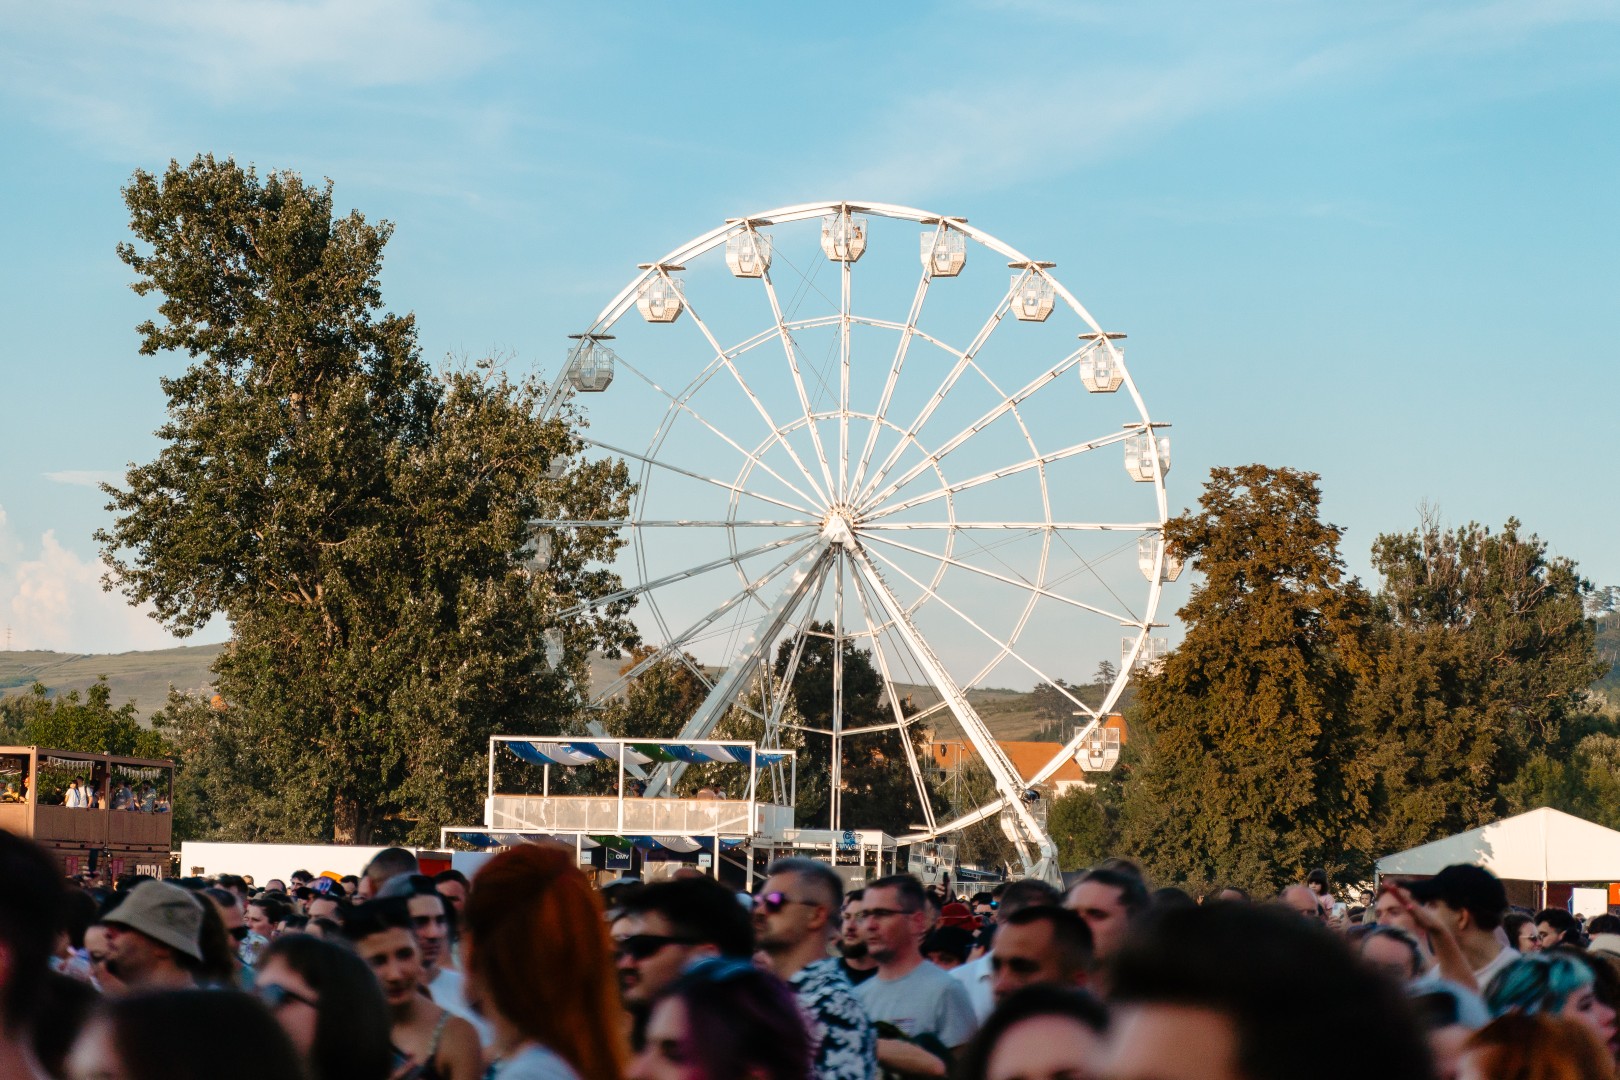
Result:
[[1556, 984]]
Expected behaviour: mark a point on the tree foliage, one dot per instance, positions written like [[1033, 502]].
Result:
[[1253, 775], [362, 522], [1484, 655], [87, 723]]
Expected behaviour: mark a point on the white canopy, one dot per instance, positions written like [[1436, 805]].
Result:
[[1542, 845]]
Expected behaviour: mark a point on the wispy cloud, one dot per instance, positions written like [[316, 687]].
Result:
[[1076, 99], [84, 477]]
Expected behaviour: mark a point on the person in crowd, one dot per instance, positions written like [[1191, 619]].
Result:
[[1555, 926], [154, 938], [1448, 1017], [533, 911], [434, 924], [795, 919], [977, 974], [234, 883], [183, 1035], [1603, 934], [98, 947], [263, 915], [79, 911], [31, 904], [383, 874], [59, 1014], [667, 926], [220, 965], [124, 797], [931, 1009], [1109, 899], [301, 879], [1041, 1032], [427, 1039], [853, 960], [276, 885], [1521, 932], [329, 905], [330, 1005], [351, 885], [454, 887], [1042, 945], [1555, 983], [245, 944], [1470, 902], [1331, 908], [1301, 901], [1531, 1046], [1231, 893], [947, 947], [75, 797], [1250, 992], [724, 1019], [1393, 951]]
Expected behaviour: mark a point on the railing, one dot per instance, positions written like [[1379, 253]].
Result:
[[653, 817]]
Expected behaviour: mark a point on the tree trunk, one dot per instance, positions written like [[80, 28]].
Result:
[[347, 824]]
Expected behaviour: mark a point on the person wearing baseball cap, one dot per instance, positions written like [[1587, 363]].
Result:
[[1472, 902], [155, 937]]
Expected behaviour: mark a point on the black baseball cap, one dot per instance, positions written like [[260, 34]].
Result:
[[1465, 887]]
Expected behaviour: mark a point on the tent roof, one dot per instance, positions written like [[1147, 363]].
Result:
[[1542, 845]]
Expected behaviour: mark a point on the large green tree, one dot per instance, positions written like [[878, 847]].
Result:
[[363, 523], [1484, 653], [1251, 772], [88, 723]]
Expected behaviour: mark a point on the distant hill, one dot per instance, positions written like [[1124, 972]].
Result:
[[144, 677]]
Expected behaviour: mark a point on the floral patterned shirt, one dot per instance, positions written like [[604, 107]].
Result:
[[840, 1029]]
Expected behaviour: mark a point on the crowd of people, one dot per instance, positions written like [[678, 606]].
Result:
[[530, 972]]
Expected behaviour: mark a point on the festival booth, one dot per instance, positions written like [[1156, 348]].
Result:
[[605, 830], [1540, 856]]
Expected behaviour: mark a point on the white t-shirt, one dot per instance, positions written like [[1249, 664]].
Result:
[[531, 1063], [448, 991], [1485, 974]]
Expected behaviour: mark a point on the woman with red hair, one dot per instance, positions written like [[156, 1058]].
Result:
[[537, 963]]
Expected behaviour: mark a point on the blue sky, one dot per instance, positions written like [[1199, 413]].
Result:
[[1378, 241]]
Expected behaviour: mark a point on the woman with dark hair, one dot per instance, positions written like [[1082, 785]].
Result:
[[1521, 932], [1040, 1031], [329, 1004], [723, 1019], [136, 1038], [532, 910]]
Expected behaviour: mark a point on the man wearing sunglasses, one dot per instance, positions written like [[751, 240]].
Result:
[[795, 921], [666, 927]]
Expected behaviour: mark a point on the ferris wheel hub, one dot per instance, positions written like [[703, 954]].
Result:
[[837, 529]]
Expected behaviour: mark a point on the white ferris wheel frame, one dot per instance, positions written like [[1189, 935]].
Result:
[[820, 542]]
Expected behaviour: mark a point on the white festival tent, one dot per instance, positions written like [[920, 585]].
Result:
[[1541, 846]]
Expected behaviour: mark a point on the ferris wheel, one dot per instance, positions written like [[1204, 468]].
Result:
[[889, 428]]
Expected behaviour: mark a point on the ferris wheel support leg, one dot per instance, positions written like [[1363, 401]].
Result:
[[749, 655], [1006, 777]]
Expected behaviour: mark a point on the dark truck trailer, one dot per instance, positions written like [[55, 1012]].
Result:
[[101, 815]]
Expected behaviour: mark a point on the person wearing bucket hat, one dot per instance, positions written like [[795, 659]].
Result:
[[155, 937]]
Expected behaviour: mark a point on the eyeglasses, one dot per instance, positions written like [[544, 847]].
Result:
[[879, 913], [275, 996], [643, 946], [772, 902]]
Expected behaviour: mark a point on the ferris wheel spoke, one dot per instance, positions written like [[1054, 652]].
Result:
[[691, 632], [753, 398], [792, 670], [941, 392], [1008, 404], [895, 707], [843, 381], [1006, 648], [900, 350], [792, 350], [1037, 462], [681, 404], [1025, 585], [683, 575], [737, 489]]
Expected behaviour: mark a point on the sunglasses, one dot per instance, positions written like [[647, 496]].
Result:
[[643, 946], [772, 902], [274, 997]]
